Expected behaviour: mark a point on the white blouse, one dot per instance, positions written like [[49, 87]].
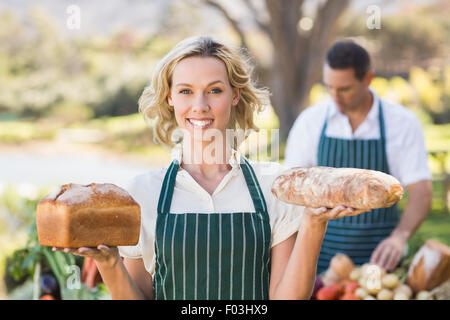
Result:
[[405, 144], [231, 195]]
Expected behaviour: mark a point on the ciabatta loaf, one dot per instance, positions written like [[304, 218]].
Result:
[[88, 215], [330, 187]]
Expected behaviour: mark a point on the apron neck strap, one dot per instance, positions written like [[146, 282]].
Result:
[[253, 186], [165, 196], [380, 121], [324, 127]]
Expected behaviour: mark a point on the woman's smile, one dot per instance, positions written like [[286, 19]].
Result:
[[200, 123]]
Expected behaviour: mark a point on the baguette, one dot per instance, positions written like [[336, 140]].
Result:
[[330, 187], [88, 215]]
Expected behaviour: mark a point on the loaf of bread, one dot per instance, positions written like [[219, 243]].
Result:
[[430, 266], [330, 187], [88, 215]]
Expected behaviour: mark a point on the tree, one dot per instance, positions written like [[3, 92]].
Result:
[[298, 56]]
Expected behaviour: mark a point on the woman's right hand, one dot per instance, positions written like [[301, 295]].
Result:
[[101, 254]]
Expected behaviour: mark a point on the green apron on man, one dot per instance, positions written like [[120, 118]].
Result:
[[356, 236]]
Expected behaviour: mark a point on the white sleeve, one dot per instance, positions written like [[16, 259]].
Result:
[[408, 162], [300, 145], [285, 219], [132, 252]]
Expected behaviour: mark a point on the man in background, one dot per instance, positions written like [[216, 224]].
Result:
[[356, 128]]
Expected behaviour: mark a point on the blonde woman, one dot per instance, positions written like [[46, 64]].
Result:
[[211, 229]]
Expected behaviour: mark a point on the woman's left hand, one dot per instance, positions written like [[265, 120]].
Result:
[[324, 214]]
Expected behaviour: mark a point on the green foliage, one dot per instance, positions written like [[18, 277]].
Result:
[[20, 204], [413, 35], [19, 266], [437, 137], [426, 93], [122, 101], [128, 133], [414, 44], [16, 132], [435, 226], [398, 38], [67, 112], [45, 72], [430, 93]]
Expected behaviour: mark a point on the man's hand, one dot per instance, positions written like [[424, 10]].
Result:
[[389, 252]]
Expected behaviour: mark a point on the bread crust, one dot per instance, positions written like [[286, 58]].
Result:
[[430, 266], [88, 215], [330, 187]]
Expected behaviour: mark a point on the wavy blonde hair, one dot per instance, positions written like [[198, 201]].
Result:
[[153, 103]]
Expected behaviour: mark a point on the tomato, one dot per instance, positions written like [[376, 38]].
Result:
[[351, 286], [327, 293], [339, 287]]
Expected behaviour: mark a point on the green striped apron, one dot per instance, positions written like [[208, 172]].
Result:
[[356, 236], [216, 256]]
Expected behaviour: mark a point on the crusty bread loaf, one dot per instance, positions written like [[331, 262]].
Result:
[[430, 266], [330, 187], [88, 215]]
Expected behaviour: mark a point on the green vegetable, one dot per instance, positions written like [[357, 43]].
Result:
[[23, 262]]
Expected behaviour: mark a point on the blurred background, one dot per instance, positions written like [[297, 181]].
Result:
[[71, 73]]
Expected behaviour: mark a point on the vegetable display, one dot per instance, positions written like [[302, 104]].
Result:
[[345, 281]]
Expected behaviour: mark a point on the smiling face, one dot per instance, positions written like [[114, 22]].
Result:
[[347, 91], [201, 95]]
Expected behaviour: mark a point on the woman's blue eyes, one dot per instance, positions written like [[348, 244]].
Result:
[[187, 91]]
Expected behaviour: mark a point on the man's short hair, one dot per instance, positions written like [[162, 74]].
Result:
[[347, 54]]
